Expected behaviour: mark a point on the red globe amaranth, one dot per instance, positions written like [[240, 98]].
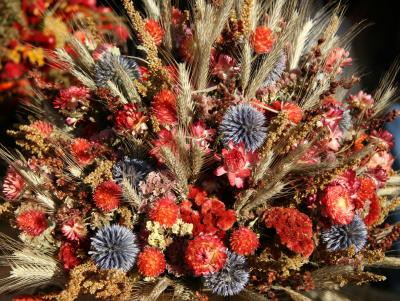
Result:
[[244, 241], [165, 211], [67, 256], [155, 30], [45, 128], [366, 190], [13, 184], [151, 262], [374, 212], [205, 254], [82, 150], [164, 107], [33, 222], [262, 39], [107, 196], [130, 119], [293, 227], [337, 204], [294, 112]]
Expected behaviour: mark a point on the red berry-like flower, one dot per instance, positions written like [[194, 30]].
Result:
[[244, 241], [205, 254], [33, 222], [13, 184], [155, 30], [107, 196], [82, 150], [262, 39], [165, 211], [366, 190], [293, 227], [294, 111], [338, 205], [74, 229], [70, 98], [164, 107], [45, 128], [130, 119], [151, 262], [67, 256], [374, 211]]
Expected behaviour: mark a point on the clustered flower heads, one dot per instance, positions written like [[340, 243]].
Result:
[[216, 155]]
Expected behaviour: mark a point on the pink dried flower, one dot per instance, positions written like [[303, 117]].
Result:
[[74, 229], [202, 135], [130, 119], [237, 164], [336, 59], [361, 101], [225, 67], [381, 159], [13, 184], [45, 128]]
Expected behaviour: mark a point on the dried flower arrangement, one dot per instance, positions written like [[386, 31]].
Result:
[[31, 29], [227, 158]]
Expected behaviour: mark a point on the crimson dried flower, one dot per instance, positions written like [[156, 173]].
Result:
[[164, 107], [374, 210], [32, 221], [237, 164], [293, 111], [82, 150], [155, 30], [262, 39], [165, 211], [107, 196], [337, 59], [244, 241], [130, 119], [201, 135], [74, 229], [293, 227], [151, 262], [67, 256], [338, 205], [205, 254], [70, 98]]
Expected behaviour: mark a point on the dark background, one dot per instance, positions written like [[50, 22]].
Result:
[[373, 50]]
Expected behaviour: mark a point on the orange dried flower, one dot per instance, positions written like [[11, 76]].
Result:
[[262, 39], [107, 196], [151, 262]]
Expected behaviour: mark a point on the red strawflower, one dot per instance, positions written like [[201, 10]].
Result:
[[237, 164], [155, 30], [165, 211], [164, 107], [293, 227], [82, 150], [244, 241], [374, 211], [294, 112], [151, 262], [201, 135], [366, 190], [338, 205], [27, 298], [130, 119], [107, 196], [74, 229], [33, 222], [45, 128], [205, 254], [12, 70], [70, 98], [13, 184], [67, 256], [262, 39]]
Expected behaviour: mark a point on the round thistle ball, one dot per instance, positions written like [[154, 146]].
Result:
[[243, 123], [114, 247], [231, 279]]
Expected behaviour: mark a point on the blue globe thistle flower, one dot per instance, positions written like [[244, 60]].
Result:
[[135, 170], [243, 123], [106, 69], [231, 279], [114, 247], [340, 237], [276, 72]]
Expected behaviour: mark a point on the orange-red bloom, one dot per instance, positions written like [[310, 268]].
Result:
[[262, 39], [107, 196], [151, 262]]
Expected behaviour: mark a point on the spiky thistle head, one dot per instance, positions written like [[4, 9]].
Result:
[[114, 247], [134, 170], [231, 279], [340, 237], [243, 123], [107, 66]]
